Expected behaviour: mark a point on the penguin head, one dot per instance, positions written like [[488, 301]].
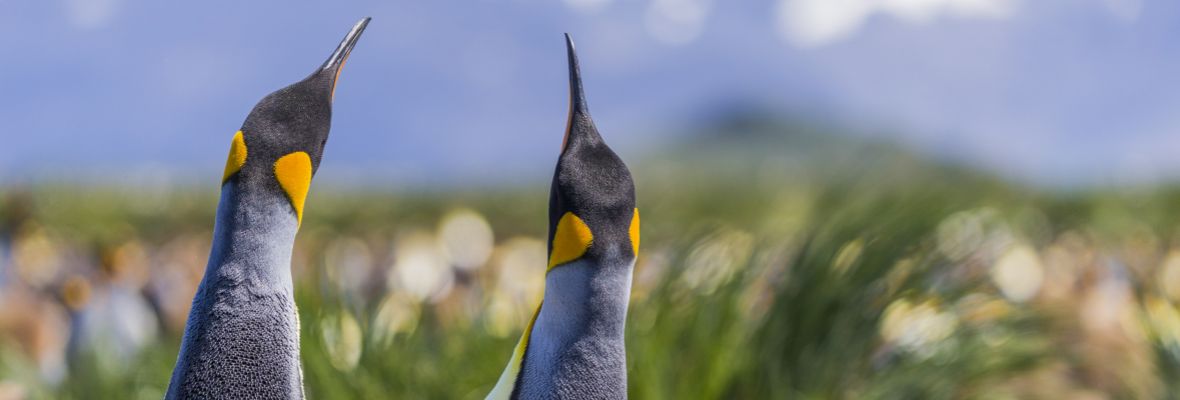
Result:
[[282, 140], [592, 214]]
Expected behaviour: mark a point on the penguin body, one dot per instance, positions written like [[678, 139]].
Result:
[[574, 348], [241, 339]]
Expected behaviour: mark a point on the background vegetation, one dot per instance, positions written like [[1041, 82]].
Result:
[[778, 261]]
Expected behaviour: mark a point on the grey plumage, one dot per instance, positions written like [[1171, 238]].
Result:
[[242, 340], [576, 350]]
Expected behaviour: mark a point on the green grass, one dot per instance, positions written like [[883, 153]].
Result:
[[745, 289]]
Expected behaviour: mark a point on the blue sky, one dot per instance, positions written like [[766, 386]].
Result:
[[448, 91]]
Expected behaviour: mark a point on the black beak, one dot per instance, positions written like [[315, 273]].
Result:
[[577, 96], [341, 54], [579, 127]]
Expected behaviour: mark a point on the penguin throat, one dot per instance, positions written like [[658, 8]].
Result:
[[254, 233], [245, 303], [578, 332]]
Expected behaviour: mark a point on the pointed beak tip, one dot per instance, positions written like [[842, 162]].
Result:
[[572, 53], [345, 48], [577, 96]]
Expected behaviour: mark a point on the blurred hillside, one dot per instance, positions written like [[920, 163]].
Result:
[[779, 259]]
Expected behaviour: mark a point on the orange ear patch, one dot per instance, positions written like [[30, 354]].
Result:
[[635, 233], [569, 124], [237, 157], [570, 240], [336, 78], [293, 172]]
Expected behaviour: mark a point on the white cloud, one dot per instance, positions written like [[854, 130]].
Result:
[[927, 10], [677, 21], [587, 6], [90, 14], [1125, 10], [814, 23]]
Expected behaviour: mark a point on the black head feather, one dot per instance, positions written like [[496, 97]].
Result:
[[590, 180], [295, 118]]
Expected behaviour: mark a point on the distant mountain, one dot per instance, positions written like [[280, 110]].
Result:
[[758, 147]]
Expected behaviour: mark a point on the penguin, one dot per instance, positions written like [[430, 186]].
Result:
[[573, 347], [241, 340]]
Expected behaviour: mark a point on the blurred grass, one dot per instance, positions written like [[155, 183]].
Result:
[[885, 278]]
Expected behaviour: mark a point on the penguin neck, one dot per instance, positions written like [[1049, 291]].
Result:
[[242, 335], [253, 238], [576, 345]]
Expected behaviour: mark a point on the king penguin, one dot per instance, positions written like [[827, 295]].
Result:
[[573, 348], [241, 340]]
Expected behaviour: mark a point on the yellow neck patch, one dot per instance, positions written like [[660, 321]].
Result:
[[237, 157], [293, 172], [507, 382], [635, 233], [570, 240]]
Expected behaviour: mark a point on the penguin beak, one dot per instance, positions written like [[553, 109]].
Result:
[[335, 62], [577, 96], [579, 113]]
